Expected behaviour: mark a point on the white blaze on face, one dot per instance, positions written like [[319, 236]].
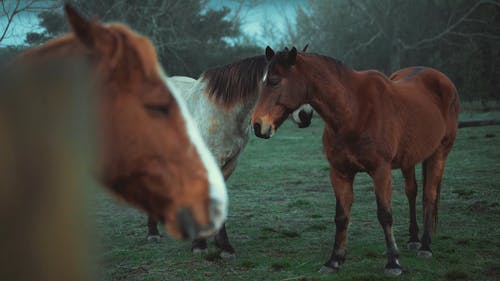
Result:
[[265, 77], [218, 192]]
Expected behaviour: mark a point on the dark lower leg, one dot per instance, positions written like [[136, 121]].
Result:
[[199, 245], [382, 179], [384, 215], [428, 227], [152, 227], [411, 194], [222, 241], [340, 248], [342, 186], [433, 171]]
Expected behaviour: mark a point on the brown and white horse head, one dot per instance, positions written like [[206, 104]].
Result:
[[281, 92], [152, 154]]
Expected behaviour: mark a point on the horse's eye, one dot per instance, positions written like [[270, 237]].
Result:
[[162, 109], [273, 82]]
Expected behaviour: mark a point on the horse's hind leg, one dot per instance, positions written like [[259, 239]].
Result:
[[411, 194], [432, 170], [342, 186], [221, 238], [153, 234], [382, 179]]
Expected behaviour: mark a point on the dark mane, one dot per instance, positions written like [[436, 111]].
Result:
[[235, 82]]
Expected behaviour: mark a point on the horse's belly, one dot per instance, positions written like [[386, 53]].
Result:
[[420, 141]]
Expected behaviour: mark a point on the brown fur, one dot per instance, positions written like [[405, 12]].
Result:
[[373, 125], [146, 156]]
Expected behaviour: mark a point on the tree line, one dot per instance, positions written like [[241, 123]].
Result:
[[459, 37], [189, 36]]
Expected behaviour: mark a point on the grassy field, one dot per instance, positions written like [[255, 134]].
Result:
[[281, 219]]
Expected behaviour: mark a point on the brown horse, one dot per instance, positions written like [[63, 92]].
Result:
[[151, 153], [373, 125]]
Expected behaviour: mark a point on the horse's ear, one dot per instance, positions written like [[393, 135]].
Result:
[[90, 33], [292, 56], [269, 53], [305, 48]]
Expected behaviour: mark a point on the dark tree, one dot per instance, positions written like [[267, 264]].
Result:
[[459, 37], [189, 37]]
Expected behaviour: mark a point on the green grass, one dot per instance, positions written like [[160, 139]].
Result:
[[281, 219]]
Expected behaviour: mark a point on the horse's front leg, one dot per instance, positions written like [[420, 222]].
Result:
[[222, 242], [382, 179], [342, 186], [153, 233]]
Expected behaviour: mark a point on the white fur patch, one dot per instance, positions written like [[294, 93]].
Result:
[[295, 115], [218, 192]]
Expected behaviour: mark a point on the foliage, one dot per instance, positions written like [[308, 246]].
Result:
[[460, 38], [189, 36]]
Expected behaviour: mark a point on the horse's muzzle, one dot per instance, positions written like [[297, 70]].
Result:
[[191, 229], [261, 131]]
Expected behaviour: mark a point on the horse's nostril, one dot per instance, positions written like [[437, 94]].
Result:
[[305, 119], [256, 129]]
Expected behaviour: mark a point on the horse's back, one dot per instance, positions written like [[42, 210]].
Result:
[[434, 84], [431, 106]]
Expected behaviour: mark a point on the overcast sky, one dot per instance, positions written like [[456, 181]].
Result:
[[266, 12], [253, 17]]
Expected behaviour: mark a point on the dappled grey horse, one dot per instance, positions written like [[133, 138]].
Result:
[[221, 102]]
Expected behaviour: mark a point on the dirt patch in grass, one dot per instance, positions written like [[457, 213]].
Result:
[[278, 266], [282, 232], [301, 203], [316, 227], [456, 275], [464, 193], [494, 271]]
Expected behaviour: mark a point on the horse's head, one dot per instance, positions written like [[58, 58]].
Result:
[[152, 154], [283, 91]]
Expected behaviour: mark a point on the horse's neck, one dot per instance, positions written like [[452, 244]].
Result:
[[236, 117], [332, 94]]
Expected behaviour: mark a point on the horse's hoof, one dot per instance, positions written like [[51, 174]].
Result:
[[227, 255], [393, 271], [413, 246], [424, 254], [328, 270], [199, 251], [154, 238]]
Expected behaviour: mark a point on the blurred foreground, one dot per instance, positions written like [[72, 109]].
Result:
[[45, 155]]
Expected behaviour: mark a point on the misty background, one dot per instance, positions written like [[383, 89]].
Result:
[[459, 37]]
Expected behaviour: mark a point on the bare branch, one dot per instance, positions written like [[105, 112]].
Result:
[[448, 29], [10, 10], [363, 44]]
